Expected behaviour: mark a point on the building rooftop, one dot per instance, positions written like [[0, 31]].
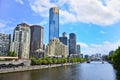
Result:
[[24, 24]]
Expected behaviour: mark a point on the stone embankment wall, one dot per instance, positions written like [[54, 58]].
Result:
[[27, 68]]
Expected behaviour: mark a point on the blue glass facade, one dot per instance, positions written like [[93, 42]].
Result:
[[72, 43], [36, 46], [53, 23], [64, 39]]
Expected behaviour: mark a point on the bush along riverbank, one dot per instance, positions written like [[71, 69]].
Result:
[[43, 63], [46, 60], [115, 60]]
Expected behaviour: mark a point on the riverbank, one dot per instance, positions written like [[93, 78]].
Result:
[[36, 67]]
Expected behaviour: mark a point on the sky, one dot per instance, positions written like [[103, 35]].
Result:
[[96, 23]]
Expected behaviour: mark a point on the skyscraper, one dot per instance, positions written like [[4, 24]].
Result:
[[64, 39], [21, 41], [78, 49], [72, 43], [53, 23], [36, 46], [5, 40]]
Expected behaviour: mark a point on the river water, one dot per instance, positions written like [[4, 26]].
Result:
[[85, 71]]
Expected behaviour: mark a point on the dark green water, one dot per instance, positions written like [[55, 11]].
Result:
[[84, 71]]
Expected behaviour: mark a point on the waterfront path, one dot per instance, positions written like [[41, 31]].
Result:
[[27, 68], [84, 71]]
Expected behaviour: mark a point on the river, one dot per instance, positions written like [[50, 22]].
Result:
[[85, 71]]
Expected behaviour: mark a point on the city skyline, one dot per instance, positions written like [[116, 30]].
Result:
[[96, 23]]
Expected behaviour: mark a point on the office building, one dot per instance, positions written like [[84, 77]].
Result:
[[55, 48], [72, 43], [53, 23], [64, 39], [37, 38], [86, 56], [21, 41], [5, 40], [78, 49]]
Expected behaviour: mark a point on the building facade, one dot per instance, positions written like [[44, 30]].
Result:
[[72, 43], [55, 48], [5, 40], [53, 23], [21, 41], [64, 39], [37, 38], [78, 49]]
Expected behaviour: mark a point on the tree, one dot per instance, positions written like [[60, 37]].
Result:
[[54, 60], [33, 61], [12, 54], [59, 60], [45, 61], [50, 61], [116, 58], [63, 60], [39, 61]]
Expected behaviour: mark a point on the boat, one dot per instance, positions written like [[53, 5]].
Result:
[[88, 61]]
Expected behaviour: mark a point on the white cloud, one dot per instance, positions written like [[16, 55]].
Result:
[[66, 17], [20, 1], [41, 7], [103, 48], [2, 25], [43, 22], [83, 45], [102, 32], [87, 11]]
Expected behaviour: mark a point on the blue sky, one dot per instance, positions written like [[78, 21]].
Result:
[[95, 22]]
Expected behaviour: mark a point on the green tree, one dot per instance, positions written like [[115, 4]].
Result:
[[12, 54], [54, 60], [71, 60], [59, 60], [45, 61], [33, 61], [50, 61], [116, 58], [78, 59], [39, 61], [63, 60]]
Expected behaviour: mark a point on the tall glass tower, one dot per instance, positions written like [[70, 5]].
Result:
[[36, 46], [72, 43], [53, 23]]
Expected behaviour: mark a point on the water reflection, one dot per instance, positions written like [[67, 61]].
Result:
[[92, 71]]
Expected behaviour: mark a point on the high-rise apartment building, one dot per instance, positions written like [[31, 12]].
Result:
[[72, 43], [64, 38], [37, 38], [21, 41], [53, 23], [5, 40]]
